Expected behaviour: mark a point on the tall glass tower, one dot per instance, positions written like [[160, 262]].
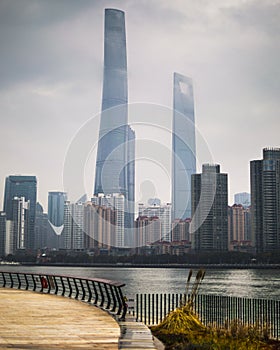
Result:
[[22, 186], [116, 145], [56, 202], [183, 146]]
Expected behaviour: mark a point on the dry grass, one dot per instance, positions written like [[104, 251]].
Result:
[[181, 329]]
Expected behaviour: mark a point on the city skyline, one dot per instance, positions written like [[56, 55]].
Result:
[[52, 78]]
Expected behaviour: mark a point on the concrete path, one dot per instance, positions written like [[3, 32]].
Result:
[[31, 320]]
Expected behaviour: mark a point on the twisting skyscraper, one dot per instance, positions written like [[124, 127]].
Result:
[[183, 146], [116, 146]]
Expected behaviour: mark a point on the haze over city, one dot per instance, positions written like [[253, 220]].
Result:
[[52, 68]]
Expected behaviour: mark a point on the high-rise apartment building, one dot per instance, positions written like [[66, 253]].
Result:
[[99, 226], [148, 230], [116, 202], [239, 227], [163, 213], [265, 200], [115, 166], [22, 186], [209, 224], [66, 237], [180, 230], [183, 146], [20, 223], [73, 234]]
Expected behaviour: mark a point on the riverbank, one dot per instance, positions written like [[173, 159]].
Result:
[[166, 266]]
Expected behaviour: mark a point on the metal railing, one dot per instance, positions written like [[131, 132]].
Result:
[[213, 310], [103, 293]]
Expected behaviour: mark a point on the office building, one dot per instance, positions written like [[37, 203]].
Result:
[[209, 224], [22, 186], [43, 231], [56, 202], [116, 145], [183, 146], [265, 200]]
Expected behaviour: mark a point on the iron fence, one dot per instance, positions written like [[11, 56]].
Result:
[[103, 293], [213, 310]]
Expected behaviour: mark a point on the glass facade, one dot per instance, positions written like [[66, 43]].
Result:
[[22, 186], [183, 146], [210, 209], [56, 202], [115, 166]]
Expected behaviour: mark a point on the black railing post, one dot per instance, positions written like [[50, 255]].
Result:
[[95, 293], [101, 294], [12, 281], [89, 292], [34, 282], [83, 289], [108, 297], [55, 285], [114, 298], [137, 307], [119, 300], [63, 287], [76, 287], [4, 279], [26, 282], [19, 281], [123, 305]]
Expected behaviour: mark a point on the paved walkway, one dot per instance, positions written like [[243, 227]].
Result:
[[42, 322]]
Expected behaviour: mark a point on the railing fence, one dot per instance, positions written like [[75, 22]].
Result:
[[213, 310], [100, 292]]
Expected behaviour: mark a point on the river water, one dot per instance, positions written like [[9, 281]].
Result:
[[251, 283]]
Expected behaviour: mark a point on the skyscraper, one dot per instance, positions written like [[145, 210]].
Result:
[[183, 146], [56, 202], [22, 186], [265, 200], [116, 145], [210, 209]]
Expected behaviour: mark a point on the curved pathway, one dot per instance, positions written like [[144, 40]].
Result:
[[31, 320]]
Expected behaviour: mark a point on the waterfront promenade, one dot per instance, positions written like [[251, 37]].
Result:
[[31, 320]]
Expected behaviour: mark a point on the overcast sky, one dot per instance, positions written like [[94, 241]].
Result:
[[51, 78]]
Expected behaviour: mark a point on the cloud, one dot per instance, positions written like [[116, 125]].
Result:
[[51, 76]]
